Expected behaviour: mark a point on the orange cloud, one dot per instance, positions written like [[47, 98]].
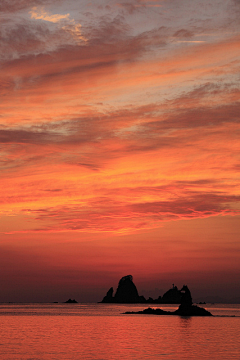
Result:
[[119, 145], [41, 14]]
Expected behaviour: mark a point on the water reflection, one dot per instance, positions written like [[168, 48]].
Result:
[[109, 335], [185, 322]]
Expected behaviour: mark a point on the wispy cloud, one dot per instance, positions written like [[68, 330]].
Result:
[[41, 14], [69, 25], [120, 116], [119, 134]]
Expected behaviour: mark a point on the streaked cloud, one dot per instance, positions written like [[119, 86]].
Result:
[[41, 14], [119, 135], [75, 30], [69, 25], [130, 124]]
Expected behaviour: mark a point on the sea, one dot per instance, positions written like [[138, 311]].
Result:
[[103, 331]]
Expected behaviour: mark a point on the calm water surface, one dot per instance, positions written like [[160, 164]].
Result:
[[101, 331]]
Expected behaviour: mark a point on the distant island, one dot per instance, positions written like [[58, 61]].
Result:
[[70, 301], [127, 293], [186, 307], [192, 310]]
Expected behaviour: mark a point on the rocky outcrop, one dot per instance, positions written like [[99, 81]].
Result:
[[126, 293], [186, 297], [172, 296], [192, 310], [185, 309], [109, 297], [70, 301]]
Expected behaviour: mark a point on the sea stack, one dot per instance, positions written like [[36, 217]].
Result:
[[126, 293], [185, 309], [71, 301]]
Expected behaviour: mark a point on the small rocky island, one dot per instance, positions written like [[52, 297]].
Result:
[[186, 307], [127, 294], [71, 301]]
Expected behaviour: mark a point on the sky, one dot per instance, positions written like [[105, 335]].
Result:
[[119, 147]]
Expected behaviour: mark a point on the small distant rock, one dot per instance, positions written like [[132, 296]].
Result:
[[70, 301]]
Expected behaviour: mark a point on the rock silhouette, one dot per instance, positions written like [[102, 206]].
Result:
[[185, 309], [192, 310], [186, 297], [109, 297], [127, 293], [172, 296], [70, 301]]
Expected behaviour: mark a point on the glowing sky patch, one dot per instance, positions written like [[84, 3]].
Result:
[[121, 121], [41, 14]]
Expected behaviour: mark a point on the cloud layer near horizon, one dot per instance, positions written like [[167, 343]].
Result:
[[109, 123]]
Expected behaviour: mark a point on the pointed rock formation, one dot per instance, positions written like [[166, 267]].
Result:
[[172, 296], [185, 309], [70, 301], [126, 293], [186, 297], [109, 297]]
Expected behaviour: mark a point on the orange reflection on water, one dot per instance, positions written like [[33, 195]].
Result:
[[118, 337]]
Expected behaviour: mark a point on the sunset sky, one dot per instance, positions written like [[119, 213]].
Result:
[[119, 147]]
